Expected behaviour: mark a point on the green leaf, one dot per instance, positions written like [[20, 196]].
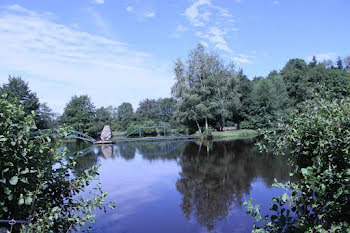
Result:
[[28, 200], [25, 171], [14, 180], [21, 201], [285, 197]]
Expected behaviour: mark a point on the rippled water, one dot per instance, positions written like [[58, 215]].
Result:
[[182, 186]]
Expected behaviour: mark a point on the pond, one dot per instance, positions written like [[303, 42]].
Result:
[[182, 186]]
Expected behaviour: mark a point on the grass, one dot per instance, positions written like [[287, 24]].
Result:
[[235, 134]]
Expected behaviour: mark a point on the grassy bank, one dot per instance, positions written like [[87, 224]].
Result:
[[235, 134]]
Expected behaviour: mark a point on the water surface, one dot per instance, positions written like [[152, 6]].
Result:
[[182, 186]]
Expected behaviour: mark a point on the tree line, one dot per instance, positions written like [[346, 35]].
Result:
[[207, 94]]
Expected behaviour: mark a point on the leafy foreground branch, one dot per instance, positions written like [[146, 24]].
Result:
[[32, 170], [317, 143]]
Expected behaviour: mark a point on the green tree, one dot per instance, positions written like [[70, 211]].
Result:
[[316, 142], [46, 118], [32, 170], [340, 64], [268, 101], [148, 110], [125, 115], [80, 114], [347, 63], [293, 74], [19, 89], [313, 63], [205, 89]]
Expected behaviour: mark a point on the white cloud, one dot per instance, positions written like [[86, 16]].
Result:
[[141, 14], [99, 21], [198, 18], [323, 56], [180, 29], [99, 1], [212, 23], [129, 9], [243, 58], [60, 61], [150, 14]]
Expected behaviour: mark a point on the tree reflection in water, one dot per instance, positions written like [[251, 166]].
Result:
[[217, 174], [214, 175]]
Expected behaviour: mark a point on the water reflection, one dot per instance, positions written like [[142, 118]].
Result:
[[219, 174], [214, 177]]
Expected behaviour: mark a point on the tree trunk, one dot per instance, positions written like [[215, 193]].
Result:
[[199, 128], [206, 124], [238, 125]]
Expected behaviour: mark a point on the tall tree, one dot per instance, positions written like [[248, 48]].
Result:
[[205, 89], [80, 114], [293, 74], [340, 64], [19, 89], [46, 118], [125, 115]]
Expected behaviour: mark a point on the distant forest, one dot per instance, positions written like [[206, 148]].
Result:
[[208, 94]]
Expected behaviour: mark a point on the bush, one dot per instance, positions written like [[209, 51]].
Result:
[[33, 172], [316, 142]]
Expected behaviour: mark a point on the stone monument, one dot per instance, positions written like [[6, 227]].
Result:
[[106, 134]]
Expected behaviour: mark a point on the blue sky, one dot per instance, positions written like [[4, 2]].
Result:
[[124, 50]]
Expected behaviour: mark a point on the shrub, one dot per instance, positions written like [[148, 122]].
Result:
[[33, 172], [316, 142]]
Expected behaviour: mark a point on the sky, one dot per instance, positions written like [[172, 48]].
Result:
[[124, 50]]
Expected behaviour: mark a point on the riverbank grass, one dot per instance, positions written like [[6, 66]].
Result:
[[236, 134]]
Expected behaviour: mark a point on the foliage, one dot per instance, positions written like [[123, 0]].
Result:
[[80, 114], [17, 88], [207, 91], [316, 141], [33, 171], [268, 101], [47, 119]]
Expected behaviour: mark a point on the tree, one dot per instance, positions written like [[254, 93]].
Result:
[[269, 99], [316, 142], [166, 109], [293, 74], [125, 115], [148, 110], [35, 170], [347, 63], [340, 64], [46, 118], [205, 89], [313, 63], [80, 114]]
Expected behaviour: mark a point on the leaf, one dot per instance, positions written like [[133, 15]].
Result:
[[285, 197], [28, 200], [14, 180], [25, 171], [21, 201]]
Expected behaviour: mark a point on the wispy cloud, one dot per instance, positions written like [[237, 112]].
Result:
[[180, 29], [213, 25], [323, 56], [98, 20], [141, 14], [99, 1], [150, 14], [129, 9], [196, 17], [53, 55]]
